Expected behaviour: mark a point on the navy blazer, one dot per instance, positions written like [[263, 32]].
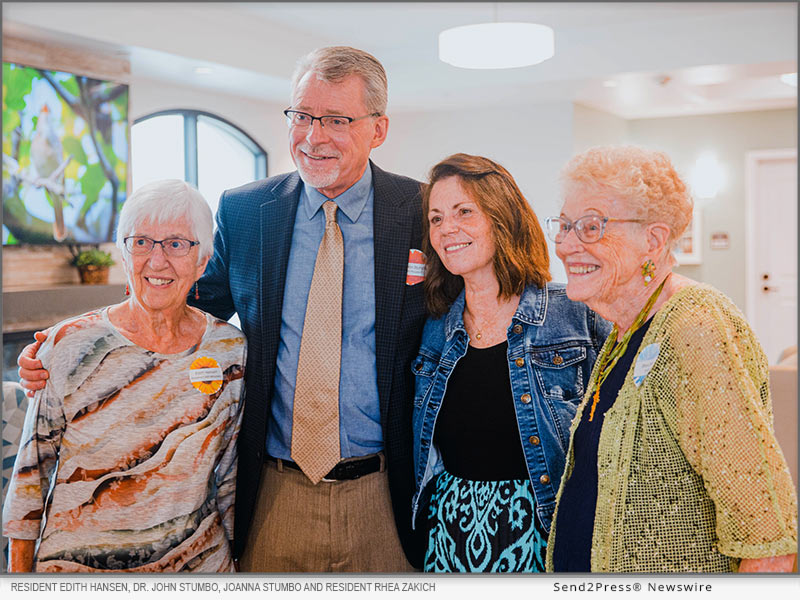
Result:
[[247, 275]]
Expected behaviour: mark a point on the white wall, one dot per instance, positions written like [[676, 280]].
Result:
[[263, 121], [730, 137], [531, 141], [533, 146], [591, 127]]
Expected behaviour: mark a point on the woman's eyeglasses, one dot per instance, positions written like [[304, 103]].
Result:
[[140, 244], [588, 228]]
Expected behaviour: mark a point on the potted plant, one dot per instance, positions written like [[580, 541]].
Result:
[[93, 265]]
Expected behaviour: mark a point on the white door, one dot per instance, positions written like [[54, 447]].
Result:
[[772, 248]]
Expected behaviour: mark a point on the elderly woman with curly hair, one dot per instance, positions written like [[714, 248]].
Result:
[[128, 455], [673, 463], [502, 365]]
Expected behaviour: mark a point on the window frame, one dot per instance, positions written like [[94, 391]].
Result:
[[190, 117]]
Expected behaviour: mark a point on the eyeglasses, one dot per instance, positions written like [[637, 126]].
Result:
[[335, 123], [588, 228], [141, 245]]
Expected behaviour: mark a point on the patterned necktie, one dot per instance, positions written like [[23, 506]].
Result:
[[315, 423]]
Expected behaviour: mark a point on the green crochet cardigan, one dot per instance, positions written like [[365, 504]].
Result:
[[690, 477]]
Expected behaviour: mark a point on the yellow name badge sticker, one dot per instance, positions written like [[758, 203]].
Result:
[[205, 375]]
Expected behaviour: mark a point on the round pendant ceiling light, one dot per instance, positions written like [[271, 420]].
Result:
[[496, 45]]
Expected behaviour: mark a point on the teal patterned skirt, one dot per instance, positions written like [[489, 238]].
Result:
[[484, 526]]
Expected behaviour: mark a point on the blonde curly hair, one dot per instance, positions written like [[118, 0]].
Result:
[[644, 178]]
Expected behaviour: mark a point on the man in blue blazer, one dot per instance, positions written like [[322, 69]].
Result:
[[265, 248], [268, 232]]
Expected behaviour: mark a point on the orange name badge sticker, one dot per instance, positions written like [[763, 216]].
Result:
[[206, 375], [416, 267]]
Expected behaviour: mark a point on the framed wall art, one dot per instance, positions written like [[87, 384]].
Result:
[[65, 156], [689, 246]]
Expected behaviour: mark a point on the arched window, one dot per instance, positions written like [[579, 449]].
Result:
[[198, 147]]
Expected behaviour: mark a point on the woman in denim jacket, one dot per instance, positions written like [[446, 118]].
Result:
[[504, 360]]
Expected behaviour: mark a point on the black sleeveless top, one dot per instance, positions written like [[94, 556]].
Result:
[[575, 521]]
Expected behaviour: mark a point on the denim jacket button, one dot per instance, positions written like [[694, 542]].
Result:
[[520, 362], [534, 439], [517, 328], [544, 479], [525, 398], [557, 360]]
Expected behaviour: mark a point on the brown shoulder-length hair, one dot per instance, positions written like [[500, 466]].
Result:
[[521, 256]]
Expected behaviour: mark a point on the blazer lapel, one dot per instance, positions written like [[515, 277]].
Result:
[[277, 215], [392, 238]]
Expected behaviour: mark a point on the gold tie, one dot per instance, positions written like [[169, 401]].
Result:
[[315, 422]]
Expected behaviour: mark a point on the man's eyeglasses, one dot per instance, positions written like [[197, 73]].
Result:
[[335, 123], [589, 228], [140, 245]]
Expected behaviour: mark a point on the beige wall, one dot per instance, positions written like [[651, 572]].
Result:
[[730, 137]]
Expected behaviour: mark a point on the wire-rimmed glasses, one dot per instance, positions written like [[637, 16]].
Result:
[[141, 244], [298, 119], [588, 228]]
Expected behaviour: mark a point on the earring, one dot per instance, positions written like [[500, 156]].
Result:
[[648, 270], [196, 292], [127, 290]]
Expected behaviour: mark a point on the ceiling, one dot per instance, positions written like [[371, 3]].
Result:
[[634, 60]]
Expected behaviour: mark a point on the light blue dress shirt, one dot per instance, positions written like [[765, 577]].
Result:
[[360, 430]]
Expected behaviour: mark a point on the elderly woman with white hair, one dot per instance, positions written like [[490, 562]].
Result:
[[673, 463], [128, 455]]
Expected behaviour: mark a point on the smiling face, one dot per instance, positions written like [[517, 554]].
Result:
[[460, 232], [161, 282], [608, 270], [332, 162]]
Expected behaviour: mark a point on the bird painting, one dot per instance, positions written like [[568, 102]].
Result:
[[47, 156], [65, 151]]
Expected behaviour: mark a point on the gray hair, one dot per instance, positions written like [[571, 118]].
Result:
[[335, 63], [164, 201]]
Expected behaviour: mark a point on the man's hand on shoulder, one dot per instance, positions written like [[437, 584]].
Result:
[[32, 374]]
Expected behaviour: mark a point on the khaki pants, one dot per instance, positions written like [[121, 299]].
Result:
[[331, 526]]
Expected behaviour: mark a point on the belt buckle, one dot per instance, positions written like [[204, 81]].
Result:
[[325, 479]]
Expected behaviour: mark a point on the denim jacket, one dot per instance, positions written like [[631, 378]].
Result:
[[552, 345]]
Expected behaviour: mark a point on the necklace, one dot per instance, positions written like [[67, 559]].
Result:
[[610, 359], [489, 324], [478, 328], [478, 332]]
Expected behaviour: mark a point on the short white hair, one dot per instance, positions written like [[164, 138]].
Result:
[[165, 201]]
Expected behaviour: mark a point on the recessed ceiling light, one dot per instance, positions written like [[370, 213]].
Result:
[[789, 79], [496, 45], [203, 70]]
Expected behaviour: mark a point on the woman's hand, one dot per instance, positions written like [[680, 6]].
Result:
[[770, 564], [20, 559]]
